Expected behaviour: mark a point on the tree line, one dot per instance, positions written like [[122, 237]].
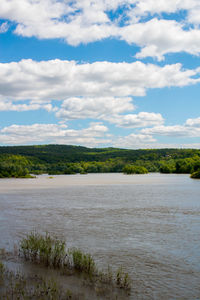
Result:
[[21, 161]]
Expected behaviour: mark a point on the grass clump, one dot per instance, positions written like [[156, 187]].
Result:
[[83, 261], [43, 249], [48, 251], [123, 280]]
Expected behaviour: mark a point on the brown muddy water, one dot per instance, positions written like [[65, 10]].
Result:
[[150, 224]]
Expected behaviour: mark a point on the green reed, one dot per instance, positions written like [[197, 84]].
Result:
[[52, 252], [43, 249], [83, 262]]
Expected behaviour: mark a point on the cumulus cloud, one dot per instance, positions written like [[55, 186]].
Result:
[[97, 134], [190, 129], [99, 90], [142, 119], [159, 37], [95, 107], [90, 20], [58, 80], [152, 7], [4, 27], [193, 122], [134, 141], [54, 133], [109, 109], [10, 106], [74, 21], [148, 137]]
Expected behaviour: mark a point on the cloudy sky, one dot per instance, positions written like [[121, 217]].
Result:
[[99, 73]]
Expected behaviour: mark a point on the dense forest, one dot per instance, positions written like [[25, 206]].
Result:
[[21, 161]]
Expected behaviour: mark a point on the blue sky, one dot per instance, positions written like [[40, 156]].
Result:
[[121, 73]]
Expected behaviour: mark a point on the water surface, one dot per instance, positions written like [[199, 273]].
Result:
[[148, 223]]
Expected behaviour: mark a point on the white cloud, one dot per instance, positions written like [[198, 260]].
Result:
[[193, 122], [134, 144], [53, 133], [97, 134], [74, 21], [109, 109], [134, 141], [152, 7], [10, 106], [142, 119], [190, 129], [4, 27], [89, 20], [58, 80], [159, 37], [95, 107], [147, 137]]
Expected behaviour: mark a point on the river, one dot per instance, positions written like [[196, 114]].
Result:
[[149, 224]]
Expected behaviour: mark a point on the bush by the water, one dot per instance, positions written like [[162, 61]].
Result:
[[131, 169], [14, 166], [196, 175]]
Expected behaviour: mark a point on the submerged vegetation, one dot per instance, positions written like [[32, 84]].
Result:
[[18, 286], [51, 254], [43, 249], [21, 161]]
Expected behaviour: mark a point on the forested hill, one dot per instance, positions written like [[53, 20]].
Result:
[[66, 159], [67, 153]]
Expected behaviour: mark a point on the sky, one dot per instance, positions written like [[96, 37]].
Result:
[[100, 73]]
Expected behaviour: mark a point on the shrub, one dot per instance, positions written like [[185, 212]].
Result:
[[196, 175], [131, 169]]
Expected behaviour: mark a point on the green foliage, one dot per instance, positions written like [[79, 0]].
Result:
[[123, 279], [131, 169], [43, 249], [196, 175], [14, 166], [20, 161], [83, 261], [51, 252], [188, 165], [168, 166]]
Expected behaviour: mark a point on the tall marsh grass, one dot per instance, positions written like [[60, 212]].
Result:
[[43, 249], [83, 262], [52, 252]]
